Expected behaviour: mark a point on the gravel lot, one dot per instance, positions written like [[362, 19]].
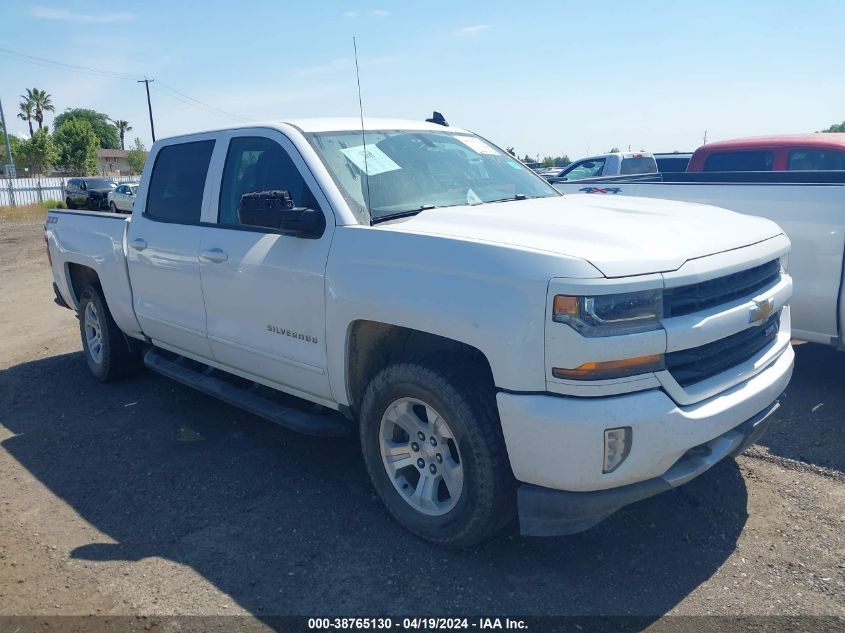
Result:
[[146, 498]]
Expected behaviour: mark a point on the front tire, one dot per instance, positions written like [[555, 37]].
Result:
[[432, 444], [106, 351], [69, 203], [112, 207]]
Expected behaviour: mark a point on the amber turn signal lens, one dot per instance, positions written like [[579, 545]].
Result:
[[565, 304], [603, 370]]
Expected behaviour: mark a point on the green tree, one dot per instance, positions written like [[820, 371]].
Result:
[[137, 157], [27, 112], [36, 153], [101, 124], [612, 150], [41, 103], [556, 161], [77, 147], [122, 128], [836, 127]]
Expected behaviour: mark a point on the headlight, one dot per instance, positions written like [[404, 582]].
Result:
[[610, 315]]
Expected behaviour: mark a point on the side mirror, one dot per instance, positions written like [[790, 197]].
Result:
[[275, 210]]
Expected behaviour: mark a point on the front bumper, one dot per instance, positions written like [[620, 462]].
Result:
[[548, 512], [556, 442], [98, 204]]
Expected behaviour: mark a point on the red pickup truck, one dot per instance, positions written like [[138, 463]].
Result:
[[792, 152]]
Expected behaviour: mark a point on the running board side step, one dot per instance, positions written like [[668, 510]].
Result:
[[210, 381]]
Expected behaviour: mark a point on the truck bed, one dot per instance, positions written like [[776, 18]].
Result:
[[95, 240]]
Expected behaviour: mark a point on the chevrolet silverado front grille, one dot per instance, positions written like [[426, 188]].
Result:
[[689, 366], [707, 294]]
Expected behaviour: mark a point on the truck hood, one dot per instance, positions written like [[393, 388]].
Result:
[[620, 236]]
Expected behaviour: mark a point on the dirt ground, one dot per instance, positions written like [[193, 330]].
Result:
[[145, 498]]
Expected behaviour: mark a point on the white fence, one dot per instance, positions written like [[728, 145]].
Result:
[[17, 192]]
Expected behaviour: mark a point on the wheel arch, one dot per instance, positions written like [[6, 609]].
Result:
[[372, 345], [79, 277]]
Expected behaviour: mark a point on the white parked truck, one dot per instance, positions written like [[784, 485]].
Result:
[[498, 347], [603, 165], [809, 206]]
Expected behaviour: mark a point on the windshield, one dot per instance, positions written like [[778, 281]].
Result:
[[98, 182], [412, 170]]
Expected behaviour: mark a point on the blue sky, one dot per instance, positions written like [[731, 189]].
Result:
[[548, 78]]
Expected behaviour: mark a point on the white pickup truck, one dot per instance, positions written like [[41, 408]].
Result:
[[809, 206], [496, 346], [603, 165]]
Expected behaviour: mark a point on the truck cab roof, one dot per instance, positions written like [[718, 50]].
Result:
[[330, 124]]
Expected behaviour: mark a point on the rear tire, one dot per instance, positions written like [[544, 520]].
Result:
[[106, 351], [447, 480], [69, 203]]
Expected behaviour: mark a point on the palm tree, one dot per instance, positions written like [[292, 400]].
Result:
[[41, 102], [122, 128], [26, 112]]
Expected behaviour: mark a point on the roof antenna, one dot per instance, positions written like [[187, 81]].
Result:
[[361, 110]]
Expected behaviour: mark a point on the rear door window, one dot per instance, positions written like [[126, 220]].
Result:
[[178, 181], [750, 160], [815, 160]]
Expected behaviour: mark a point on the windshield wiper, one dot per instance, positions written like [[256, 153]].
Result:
[[516, 196], [401, 214]]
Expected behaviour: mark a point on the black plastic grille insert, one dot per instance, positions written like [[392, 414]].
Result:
[[694, 297]]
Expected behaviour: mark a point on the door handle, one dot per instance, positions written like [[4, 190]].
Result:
[[138, 243], [215, 255]]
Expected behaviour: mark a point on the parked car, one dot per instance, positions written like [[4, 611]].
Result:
[[672, 162], [88, 193], [607, 165], [498, 348], [798, 152], [122, 197], [809, 206]]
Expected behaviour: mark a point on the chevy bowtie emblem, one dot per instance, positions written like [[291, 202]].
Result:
[[761, 311]]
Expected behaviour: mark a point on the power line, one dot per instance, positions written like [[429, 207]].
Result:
[[202, 108], [49, 63], [199, 103], [163, 88]]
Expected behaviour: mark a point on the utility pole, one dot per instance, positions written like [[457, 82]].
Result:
[[10, 166], [146, 82], [705, 138], [7, 142]]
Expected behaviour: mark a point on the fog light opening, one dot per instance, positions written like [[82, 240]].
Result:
[[617, 446]]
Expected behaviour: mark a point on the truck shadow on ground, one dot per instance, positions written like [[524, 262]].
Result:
[[287, 524], [808, 427]]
